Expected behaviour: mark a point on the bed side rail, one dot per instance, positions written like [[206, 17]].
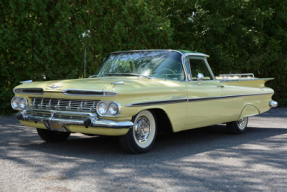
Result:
[[238, 77]]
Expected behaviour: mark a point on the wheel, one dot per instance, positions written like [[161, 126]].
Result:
[[237, 127], [52, 136], [141, 137]]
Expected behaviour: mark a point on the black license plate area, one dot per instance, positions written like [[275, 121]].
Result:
[[55, 126]]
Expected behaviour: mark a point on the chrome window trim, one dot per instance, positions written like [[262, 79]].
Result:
[[206, 64], [27, 81], [209, 68], [189, 75], [170, 50], [104, 93]]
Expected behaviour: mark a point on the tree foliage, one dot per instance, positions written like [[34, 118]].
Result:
[[46, 37], [240, 36]]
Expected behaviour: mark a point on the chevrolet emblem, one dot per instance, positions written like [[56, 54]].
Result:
[[54, 86]]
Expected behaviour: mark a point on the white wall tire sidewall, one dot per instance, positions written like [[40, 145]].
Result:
[[244, 125], [152, 133]]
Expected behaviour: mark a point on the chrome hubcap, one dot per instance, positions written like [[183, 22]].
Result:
[[242, 123], [142, 129]]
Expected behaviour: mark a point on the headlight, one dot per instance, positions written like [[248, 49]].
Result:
[[108, 108], [23, 103], [19, 103], [102, 108], [15, 103], [113, 108]]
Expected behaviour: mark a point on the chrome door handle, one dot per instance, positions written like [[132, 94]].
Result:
[[220, 86]]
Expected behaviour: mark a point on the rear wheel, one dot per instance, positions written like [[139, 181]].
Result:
[[141, 137], [52, 136], [237, 127]]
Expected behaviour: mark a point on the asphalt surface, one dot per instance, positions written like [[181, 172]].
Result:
[[207, 159]]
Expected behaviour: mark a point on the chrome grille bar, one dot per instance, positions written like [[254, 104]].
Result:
[[88, 106]]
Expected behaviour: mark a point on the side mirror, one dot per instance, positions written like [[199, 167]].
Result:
[[200, 77], [43, 77]]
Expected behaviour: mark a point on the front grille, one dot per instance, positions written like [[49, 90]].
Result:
[[88, 106], [57, 116], [40, 114]]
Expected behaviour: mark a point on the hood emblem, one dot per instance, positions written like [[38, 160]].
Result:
[[118, 83], [54, 87]]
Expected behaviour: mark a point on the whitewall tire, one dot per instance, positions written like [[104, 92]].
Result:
[[237, 127], [141, 137]]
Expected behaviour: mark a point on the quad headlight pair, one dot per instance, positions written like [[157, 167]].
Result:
[[19, 103], [108, 108]]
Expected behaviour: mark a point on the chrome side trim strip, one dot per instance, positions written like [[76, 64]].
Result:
[[205, 98], [172, 101], [223, 97], [246, 95], [156, 102]]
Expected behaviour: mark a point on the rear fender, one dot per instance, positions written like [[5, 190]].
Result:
[[248, 110]]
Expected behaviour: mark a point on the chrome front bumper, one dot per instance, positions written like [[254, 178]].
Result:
[[91, 120]]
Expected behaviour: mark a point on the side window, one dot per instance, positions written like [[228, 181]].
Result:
[[199, 66], [170, 69]]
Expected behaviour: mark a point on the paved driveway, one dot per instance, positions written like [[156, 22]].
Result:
[[197, 160]]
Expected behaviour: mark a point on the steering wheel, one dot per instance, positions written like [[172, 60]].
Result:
[[167, 69]]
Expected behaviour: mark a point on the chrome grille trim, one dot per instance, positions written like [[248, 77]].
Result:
[[37, 91], [58, 115], [84, 92], [76, 105]]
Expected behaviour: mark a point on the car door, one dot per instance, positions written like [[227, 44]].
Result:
[[206, 98]]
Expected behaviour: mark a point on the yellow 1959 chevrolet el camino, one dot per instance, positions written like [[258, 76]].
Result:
[[135, 94]]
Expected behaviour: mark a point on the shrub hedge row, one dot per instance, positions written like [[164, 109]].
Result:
[[50, 37]]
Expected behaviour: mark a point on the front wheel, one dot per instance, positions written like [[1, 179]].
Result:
[[237, 127], [52, 136], [141, 137]]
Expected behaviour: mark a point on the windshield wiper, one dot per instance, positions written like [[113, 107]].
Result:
[[92, 76], [128, 74]]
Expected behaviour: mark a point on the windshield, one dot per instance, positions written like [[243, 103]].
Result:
[[160, 64]]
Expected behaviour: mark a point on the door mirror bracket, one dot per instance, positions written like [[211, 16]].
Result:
[[200, 77]]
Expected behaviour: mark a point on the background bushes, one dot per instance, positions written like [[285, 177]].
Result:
[[46, 37]]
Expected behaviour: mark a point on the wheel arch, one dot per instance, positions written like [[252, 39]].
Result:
[[248, 110], [162, 120]]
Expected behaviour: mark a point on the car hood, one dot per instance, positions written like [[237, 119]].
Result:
[[99, 84]]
